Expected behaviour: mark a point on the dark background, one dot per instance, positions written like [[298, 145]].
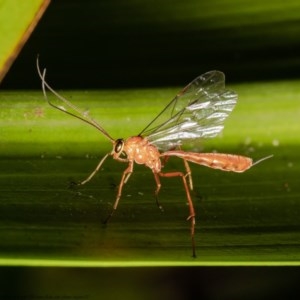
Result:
[[149, 283], [117, 43]]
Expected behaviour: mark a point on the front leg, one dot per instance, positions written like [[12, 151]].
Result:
[[126, 174], [94, 172]]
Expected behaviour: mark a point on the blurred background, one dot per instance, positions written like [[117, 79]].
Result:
[[132, 43], [149, 283]]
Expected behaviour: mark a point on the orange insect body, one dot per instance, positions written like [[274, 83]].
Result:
[[198, 111], [224, 162], [138, 149]]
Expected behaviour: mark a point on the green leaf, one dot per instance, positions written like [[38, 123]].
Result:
[[17, 21], [242, 219]]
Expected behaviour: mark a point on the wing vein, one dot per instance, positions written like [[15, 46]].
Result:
[[198, 111]]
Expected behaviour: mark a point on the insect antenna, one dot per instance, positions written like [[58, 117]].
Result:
[[82, 116]]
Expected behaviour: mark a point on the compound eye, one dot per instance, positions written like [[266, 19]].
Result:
[[119, 146]]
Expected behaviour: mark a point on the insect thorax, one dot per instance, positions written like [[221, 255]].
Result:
[[139, 149]]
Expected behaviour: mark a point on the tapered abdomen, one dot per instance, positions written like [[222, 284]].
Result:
[[225, 162]]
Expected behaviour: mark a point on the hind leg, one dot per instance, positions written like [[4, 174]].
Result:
[[191, 216]]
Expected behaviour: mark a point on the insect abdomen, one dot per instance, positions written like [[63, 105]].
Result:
[[225, 162]]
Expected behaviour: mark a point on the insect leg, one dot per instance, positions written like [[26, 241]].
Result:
[[158, 186], [95, 171], [188, 173], [164, 160], [125, 176], [191, 217], [186, 165]]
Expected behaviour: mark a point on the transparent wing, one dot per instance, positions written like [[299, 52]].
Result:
[[198, 111]]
